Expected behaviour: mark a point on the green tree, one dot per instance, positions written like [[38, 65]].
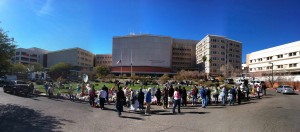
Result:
[[102, 71], [204, 59], [164, 78], [59, 70], [18, 68], [7, 50], [35, 67]]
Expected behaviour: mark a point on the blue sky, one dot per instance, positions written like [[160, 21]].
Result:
[[91, 24]]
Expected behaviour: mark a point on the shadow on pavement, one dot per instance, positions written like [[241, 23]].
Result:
[[244, 103], [135, 118], [214, 107], [19, 118], [194, 112]]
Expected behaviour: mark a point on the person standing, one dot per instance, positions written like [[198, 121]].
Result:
[[208, 94], [102, 97], [106, 90], [239, 93], [91, 92], [203, 97], [216, 95], [141, 97], [119, 101], [264, 88], [258, 91], [50, 91], [184, 97], [46, 85], [148, 102], [177, 98], [194, 96], [165, 98], [158, 96], [171, 94], [134, 102], [71, 97], [233, 95], [247, 92], [223, 92]]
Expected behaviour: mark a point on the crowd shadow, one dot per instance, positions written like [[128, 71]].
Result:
[[196, 112], [19, 118], [134, 118]]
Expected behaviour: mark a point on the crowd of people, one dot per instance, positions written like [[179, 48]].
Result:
[[168, 97]]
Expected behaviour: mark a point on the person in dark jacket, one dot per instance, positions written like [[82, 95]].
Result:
[[239, 93], [208, 96], [233, 95], [184, 97], [171, 94], [158, 96], [165, 98], [141, 97], [119, 101]]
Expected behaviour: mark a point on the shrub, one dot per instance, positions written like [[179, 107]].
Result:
[[39, 82]]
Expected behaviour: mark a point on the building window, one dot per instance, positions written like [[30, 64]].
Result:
[[293, 54], [293, 65], [250, 69], [280, 56], [223, 47], [214, 64], [259, 59], [269, 58], [279, 66], [222, 59], [250, 61]]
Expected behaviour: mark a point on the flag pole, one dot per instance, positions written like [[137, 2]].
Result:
[[131, 64], [121, 64]]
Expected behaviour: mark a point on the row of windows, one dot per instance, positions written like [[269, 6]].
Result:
[[293, 65], [223, 41], [103, 62], [103, 57], [181, 63], [291, 54], [182, 54], [181, 49]]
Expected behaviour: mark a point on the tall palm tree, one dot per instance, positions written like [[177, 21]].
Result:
[[204, 58]]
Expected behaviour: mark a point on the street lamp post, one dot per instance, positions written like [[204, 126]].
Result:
[[272, 74]]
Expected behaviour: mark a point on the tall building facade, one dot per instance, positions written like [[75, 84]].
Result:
[[103, 60], [29, 56], [152, 54], [284, 59], [183, 54], [218, 51], [74, 56]]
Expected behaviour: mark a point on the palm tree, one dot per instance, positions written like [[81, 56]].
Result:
[[204, 58]]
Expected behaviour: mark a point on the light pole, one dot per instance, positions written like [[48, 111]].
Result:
[[272, 74]]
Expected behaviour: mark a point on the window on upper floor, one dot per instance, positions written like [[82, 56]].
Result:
[[223, 47], [250, 69], [292, 54], [280, 56], [259, 59], [279, 66], [250, 61], [269, 58], [293, 65]]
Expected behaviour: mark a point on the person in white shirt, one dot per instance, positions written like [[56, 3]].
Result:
[[102, 97]]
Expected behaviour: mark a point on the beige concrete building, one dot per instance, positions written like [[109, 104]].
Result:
[[152, 54], [74, 56], [183, 54], [29, 56], [219, 51], [103, 60]]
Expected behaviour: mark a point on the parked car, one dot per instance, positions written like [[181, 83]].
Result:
[[285, 89], [17, 87], [256, 82]]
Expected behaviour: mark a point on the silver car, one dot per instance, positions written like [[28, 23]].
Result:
[[285, 89]]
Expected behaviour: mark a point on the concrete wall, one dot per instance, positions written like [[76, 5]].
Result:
[[147, 50]]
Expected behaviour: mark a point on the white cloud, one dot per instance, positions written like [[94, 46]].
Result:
[[46, 8]]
